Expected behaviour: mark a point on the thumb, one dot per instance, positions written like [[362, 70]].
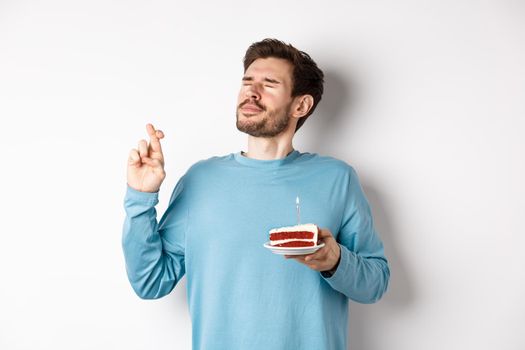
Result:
[[322, 233], [154, 163]]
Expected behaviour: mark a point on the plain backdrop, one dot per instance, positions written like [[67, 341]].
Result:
[[424, 98]]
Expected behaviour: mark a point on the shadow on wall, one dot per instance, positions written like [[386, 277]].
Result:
[[328, 116], [365, 318], [335, 112]]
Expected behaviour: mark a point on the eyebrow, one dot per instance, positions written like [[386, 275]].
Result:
[[268, 80]]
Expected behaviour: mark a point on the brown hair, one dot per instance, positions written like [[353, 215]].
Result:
[[307, 78]]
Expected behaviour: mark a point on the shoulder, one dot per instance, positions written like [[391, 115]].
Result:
[[328, 163], [208, 165], [200, 173]]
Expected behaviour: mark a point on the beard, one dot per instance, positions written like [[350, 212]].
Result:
[[273, 122]]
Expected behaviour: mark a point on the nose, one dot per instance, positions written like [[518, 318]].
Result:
[[252, 92]]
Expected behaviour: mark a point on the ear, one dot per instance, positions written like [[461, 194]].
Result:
[[302, 106]]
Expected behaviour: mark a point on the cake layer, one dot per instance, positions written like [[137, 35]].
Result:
[[295, 244], [283, 241], [294, 236]]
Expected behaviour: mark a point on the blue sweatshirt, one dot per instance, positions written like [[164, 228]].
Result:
[[240, 294]]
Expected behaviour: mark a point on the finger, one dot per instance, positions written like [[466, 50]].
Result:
[[150, 129], [155, 136], [143, 148], [300, 260], [134, 157], [315, 264], [323, 233], [318, 255], [295, 257], [154, 163]]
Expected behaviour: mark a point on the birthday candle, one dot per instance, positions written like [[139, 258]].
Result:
[[298, 210]]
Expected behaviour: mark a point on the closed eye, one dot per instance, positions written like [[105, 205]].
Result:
[[267, 80], [272, 81]]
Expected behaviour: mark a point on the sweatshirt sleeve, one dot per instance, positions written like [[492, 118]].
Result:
[[363, 273], [154, 251]]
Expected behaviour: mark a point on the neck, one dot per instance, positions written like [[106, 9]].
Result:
[[267, 150], [277, 147]]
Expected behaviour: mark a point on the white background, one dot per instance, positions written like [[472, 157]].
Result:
[[424, 98]]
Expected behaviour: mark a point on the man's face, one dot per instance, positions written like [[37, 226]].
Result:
[[265, 98]]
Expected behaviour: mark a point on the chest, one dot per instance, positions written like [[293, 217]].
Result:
[[235, 210]]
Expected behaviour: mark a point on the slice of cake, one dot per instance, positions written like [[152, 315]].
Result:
[[294, 236]]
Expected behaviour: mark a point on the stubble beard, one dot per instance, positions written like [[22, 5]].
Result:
[[272, 124]]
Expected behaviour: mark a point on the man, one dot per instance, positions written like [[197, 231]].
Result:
[[240, 295]]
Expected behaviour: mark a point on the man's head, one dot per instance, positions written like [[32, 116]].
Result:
[[279, 83]]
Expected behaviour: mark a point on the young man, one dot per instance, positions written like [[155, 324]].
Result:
[[240, 295]]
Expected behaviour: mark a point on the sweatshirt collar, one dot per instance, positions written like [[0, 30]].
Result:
[[272, 163]]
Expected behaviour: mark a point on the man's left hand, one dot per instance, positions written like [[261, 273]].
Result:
[[326, 258]]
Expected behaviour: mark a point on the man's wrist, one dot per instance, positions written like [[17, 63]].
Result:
[[330, 273]]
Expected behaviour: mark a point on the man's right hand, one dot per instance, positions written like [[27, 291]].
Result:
[[146, 164]]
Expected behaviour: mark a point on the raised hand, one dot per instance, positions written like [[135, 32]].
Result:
[[146, 164]]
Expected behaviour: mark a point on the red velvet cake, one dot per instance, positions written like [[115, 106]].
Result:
[[294, 236]]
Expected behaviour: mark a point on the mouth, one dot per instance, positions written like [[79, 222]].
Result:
[[250, 108]]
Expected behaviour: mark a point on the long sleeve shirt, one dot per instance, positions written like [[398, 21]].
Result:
[[240, 294]]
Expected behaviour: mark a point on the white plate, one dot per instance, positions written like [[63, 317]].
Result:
[[293, 250]]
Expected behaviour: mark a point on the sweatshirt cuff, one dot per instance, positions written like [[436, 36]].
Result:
[[149, 198], [341, 273]]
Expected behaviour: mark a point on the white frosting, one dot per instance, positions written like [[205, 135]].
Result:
[[303, 227], [297, 228]]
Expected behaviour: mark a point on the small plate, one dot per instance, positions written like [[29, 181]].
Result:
[[293, 250]]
